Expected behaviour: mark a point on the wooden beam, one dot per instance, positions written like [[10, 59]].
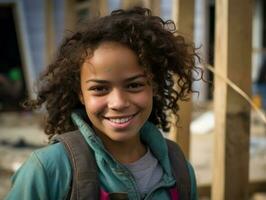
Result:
[[103, 7], [50, 32], [99, 7], [70, 14], [253, 187], [154, 5], [125, 4], [183, 16], [232, 112]]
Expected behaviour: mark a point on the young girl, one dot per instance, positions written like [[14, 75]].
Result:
[[115, 82]]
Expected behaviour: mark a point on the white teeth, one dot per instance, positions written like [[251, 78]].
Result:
[[120, 120]]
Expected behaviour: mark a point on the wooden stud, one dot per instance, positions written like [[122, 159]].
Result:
[[50, 32], [125, 4], [232, 112], [103, 7], [99, 7], [154, 5], [256, 186], [183, 16], [70, 18]]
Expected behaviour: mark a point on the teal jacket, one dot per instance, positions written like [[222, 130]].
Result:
[[47, 173]]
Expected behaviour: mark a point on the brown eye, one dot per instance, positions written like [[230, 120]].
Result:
[[135, 86], [99, 89]]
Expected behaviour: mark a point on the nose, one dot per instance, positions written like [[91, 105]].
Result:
[[118, 100]]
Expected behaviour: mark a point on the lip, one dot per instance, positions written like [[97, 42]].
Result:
[[120, 125], [119, 117]]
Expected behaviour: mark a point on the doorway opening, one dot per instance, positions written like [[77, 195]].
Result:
[[12, 80]]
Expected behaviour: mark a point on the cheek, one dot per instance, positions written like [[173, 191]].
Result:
[[94, 105], [144, 99]]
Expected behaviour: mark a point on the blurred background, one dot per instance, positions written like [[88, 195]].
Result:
[[31, 31]]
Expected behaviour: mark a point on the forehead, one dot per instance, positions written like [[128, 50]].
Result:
[[113, 61]]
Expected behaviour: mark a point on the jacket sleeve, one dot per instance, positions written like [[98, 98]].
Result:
[[29, 182], [194, 193]]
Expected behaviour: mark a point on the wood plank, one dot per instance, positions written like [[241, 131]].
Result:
[[183, 16], [253, 187], [103, 7], [99, 7], [232, 112], [50, 32], [70, 13], [154, 5], [125, 4]]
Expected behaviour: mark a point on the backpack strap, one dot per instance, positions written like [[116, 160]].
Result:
[[180, 170], [85, 180], [85, 176]]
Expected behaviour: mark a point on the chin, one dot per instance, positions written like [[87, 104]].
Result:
[[121, 136]]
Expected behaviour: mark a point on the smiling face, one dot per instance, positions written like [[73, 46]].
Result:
[[116, 92]]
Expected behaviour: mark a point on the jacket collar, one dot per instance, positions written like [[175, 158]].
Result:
[[149, 134]]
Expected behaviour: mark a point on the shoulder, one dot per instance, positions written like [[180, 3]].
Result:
[[54, 161], [52, 156], [48, 159], [47, 173]]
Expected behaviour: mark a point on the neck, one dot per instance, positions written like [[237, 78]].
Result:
[[125, 151]]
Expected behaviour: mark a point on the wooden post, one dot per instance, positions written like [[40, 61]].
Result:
[[183, 16], [232, 112], [103, 7], [125, 4], [154, 5], [99, 7], [70, 15], [50, 34]]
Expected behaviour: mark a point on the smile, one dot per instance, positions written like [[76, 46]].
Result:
[[120, 120]]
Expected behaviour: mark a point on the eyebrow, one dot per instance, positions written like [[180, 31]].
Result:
[[126, 80]]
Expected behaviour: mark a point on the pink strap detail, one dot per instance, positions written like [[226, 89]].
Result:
[[104, 195], [174, 194]]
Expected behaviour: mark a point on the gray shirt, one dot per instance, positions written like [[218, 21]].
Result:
[[146, 171]]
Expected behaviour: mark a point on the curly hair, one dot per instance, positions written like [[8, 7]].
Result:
[[160, 50]]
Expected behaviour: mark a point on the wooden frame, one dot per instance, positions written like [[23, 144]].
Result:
[[253, 187], [232, 112], [50, 31], [183, 16]]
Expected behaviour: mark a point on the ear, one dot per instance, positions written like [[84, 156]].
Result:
[[81, 98]]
